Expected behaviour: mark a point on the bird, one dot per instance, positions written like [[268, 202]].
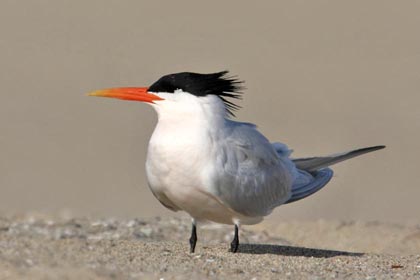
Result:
[[201, 161]]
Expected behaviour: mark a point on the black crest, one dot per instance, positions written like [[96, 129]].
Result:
[[219, 84]]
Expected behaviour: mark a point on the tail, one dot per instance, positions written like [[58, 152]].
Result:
[[314, 173]]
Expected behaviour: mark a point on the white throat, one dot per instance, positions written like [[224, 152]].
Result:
[[183, 110]]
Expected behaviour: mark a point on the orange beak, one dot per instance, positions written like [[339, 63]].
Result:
[[128, 93]]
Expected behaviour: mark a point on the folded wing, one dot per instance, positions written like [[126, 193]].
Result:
[[314, 173], [250, 176]]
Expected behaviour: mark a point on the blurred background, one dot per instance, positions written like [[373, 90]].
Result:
[[321, 76]]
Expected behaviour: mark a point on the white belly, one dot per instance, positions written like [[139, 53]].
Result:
[[175, 176]]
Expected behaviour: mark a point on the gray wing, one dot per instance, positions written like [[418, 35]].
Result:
[[314, 173], [250, 176], [317, 163], [307, 184]]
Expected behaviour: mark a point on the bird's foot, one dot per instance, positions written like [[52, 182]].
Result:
[[234, 246], [193, 238], [235, 242]]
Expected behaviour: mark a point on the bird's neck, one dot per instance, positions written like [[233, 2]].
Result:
[[199, 115]]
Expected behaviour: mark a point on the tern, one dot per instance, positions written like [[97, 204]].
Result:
[[201, 161]]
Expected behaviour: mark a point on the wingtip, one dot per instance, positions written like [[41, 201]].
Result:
[[379, 147], [370, 149]]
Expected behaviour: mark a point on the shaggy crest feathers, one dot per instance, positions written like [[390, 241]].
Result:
[[219, 84]]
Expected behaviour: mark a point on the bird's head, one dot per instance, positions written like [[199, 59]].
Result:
[[183, 91]]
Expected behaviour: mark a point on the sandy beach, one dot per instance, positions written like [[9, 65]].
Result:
[[41, 247]]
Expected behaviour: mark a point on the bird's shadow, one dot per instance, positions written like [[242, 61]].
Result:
[[259, 249]]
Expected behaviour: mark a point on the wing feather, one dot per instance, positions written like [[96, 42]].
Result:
[[316, 163], [250, 176]]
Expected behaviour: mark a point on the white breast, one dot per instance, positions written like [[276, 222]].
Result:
[[177, 163]]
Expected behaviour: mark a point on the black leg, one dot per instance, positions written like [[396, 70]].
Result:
[[193, 238], [235, 242]]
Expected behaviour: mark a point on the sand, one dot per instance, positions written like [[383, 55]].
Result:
[[42, 247]]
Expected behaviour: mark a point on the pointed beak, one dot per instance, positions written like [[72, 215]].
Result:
[[128, 93]]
